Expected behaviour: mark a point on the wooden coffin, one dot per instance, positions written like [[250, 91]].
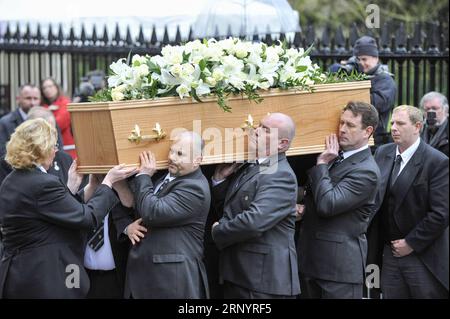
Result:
[[103, 131]]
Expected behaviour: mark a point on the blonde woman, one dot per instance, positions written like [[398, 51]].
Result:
[[41, 221]]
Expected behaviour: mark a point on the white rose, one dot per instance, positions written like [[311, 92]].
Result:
[[226, 44], [211, 81], [121, 88], [241, 50], [172, 55], [158, 60], [196, 58], [117, 95], [176, 69], [138, 60], [272, 55], [218, 75], [213, 53], [291, 53], [193, 46], [187, 69], [142, 70], [279, 49], [256, 48]]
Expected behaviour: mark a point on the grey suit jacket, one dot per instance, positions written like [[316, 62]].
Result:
[[168, 262], [256, 233], [339, 203], [421, 204]]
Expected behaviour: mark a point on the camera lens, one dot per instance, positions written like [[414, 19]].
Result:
[[431, 118]]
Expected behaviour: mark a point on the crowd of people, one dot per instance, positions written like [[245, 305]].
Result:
[[243, 230]]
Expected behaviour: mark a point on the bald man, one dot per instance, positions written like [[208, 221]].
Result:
[[255, 235], [166, 260]]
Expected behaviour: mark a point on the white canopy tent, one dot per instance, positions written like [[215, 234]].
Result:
[[203, 15], [245, 18], [130, 13]]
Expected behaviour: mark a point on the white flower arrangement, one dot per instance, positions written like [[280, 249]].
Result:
[[198, 69]]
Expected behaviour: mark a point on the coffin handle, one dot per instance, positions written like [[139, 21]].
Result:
[[248, 123], [136, 136]]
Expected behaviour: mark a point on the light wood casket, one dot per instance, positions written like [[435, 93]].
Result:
[[102, 130]]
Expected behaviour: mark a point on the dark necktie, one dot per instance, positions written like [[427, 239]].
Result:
[[243, 171], [396, 169], [338, 160], [97, 239], [163, 185]]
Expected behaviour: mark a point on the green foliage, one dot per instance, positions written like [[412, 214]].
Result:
[[342, 76], [337, 13], [103, 95]]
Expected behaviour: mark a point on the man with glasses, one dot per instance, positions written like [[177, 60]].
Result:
[[435, 131]]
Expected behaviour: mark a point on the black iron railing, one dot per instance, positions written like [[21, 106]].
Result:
[[418, 58]]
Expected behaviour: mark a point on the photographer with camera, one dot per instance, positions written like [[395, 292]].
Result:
[[383, 91], [435, 131]]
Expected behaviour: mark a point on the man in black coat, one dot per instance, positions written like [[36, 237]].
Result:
[[435, 131], [339, 202], [29, 96], [414, 212], [383, 90]]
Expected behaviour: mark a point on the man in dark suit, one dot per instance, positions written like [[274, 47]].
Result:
[[435, 131], [167, 262], [339, 200], [414, 212], [29, 96], [255, 235]]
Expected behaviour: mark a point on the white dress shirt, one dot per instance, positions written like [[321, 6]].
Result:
[[103, 258], [23, 114], [41, 168], [169, 177], [407, 154], [346, 154]]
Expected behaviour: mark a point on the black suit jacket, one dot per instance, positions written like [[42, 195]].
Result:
[[440, 139], [339, 204], [421, 204], [8, 124], [168, 262], [120, 217], [42, 227]]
